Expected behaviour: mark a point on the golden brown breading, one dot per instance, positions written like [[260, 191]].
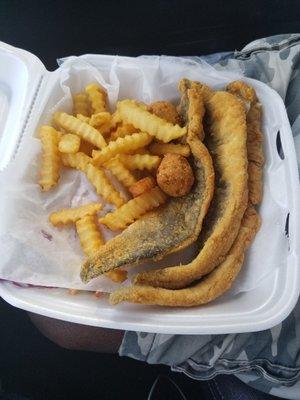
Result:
[[226, 141], [165, 110], [242, 90], [205, 91], [175, 175], [191, 106], [210, 287], [169, 229], [254, 139], [142, 186]]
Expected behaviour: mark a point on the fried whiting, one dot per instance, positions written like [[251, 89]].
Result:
[[210, 287], [226, 141], [171, 228], [254, 139]]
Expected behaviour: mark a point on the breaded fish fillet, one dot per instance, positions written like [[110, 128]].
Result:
[[170, 228], [210, 287], [226, 141], [254, 138]]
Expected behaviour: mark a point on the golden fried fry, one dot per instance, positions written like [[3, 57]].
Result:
[[100, 118], [82, 129], [139, 161], [91, 240], [121, 145], [97, 97], [103, 187], [164, 148], [89, 235], [80, 104], [133, 209], [122, 131], [87, 148], [141, 151], [120, 172], [134, 114], [49, 174], [69, 143], [83, 118], [142, 186], [210, 287], [175, 175], [71, 215], [103, 122], [78, 161], [166, 111]]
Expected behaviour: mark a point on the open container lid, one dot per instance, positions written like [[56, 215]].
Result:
[[22, 81], [20, 77]]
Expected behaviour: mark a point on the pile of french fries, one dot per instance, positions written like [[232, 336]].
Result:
[[129, 143]]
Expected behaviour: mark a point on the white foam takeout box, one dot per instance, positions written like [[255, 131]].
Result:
[[22, 78]]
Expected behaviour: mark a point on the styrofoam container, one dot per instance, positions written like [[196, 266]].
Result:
[[22, 78]]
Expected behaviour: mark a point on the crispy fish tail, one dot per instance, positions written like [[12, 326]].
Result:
[[210, 287]]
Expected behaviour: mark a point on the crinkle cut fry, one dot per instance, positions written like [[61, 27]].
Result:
[[91, 240], [103, 186], [80, 128], [210, 287], [227, 142], [171, 228], [133, 113], [50, 168], [254, 139], [97, 97], [121, 145], [80, 104], [71, 215], [134, 209]]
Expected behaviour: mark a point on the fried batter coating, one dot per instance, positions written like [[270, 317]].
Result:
[[254, 139], [226, 141], [175, 175], [165, 110], [210, 287], [142, 186]]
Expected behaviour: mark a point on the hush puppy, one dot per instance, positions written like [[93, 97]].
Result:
[[175, 175]]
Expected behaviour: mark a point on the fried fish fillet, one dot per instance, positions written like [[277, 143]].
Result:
[[210, 287], [170, 228], [226, 141], [254, 138]]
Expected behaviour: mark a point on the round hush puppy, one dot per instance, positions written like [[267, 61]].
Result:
[[175, 175], [165, 110]]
